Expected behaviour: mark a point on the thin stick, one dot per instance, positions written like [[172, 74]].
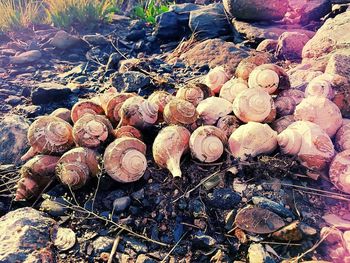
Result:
[[314, 189], [173, 248], [280, 243], [115, 246], [323, 195]]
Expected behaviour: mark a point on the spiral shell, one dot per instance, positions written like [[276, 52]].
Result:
[[91, 130], [194, 93], [63, 238], [342, 138], [207, 143], [269, 77], [160, 98], [284, 106], [77, 166], [216, 78], [181, 112], [35, 175], [309, 142], [295, 94], [124, 159], [254, 105], [282, 123], [339, 171], [232, 88], [213, 108], [63, 114], [85, 106], [252, 139], [127, 131], [321, 111], [138, 112], [228, 124], [321, 86], [49, 135], [112, 105], [168, 147]]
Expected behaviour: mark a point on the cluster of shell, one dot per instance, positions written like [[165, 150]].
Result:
[[253, 113]]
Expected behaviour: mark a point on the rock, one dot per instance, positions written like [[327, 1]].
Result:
[[108, 200], [223, 198], [63, 40], [257, 254], [299, 77], [26, 57], [131, 81], [214, 52], [256, 10], [339, 64], [336, 221], [209, 22], [135, 35], [136, 245], [144, 259], [113, 61], [13, 138], [24, 235], [103, 244], [202, 241], [272, 206], [267, 45], [184, 8], [56, 207], [290, 45], [49, 92], [290, 232], [167, 27], [13, 100], [31, 110], [333, 37], [310, 10], [121, 204], [96, 40]]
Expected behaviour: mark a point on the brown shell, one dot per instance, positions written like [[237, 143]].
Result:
[[342, 138], [127, 131], [62, 113], [246, 66], [161, 98], [179, 111], [124, 159], [77, 166], [282, 123], [113, 104], [35, 175], [194, 93], [91, 130], [85, 106], [284, 106], [339, 171], [228, 124]]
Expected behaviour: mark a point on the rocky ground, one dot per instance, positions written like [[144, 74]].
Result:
[[159, 219]]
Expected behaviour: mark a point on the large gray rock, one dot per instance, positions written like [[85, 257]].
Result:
[[25, 236], [290, 45], [49, 92], [310, 10], [301, 75], [339, 64], [167, 27], [131, 81], [63, 40], [256, 10], [209, 22], [13, 138], [26, 57]]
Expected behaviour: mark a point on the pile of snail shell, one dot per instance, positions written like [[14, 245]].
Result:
[[245, 117]]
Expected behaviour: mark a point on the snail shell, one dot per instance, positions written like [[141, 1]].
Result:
[[216, 78], [284, 106], [138, 112], [282, 123], [207, 143], [77, 166], [85, 106], [124, 159], [160, 98], [254, 105], [228, 124], [194, 93], [49, 135], [269, 77], [232, 88], [35, 176], [309, 142], [295, 94], [91, 130], [168, 147], [213, 108], [179, 111], [63, 114], [113, 104], [321, 86], [321, 111], [339, 171], [342, 138], [252, 139], [127, 131]]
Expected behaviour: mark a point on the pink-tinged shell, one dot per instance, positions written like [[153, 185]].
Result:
[[207, 143], [138, 112], [124, 159], [342, 138], [228, 124], [339, 171], [194, 93], [212, 109], [35, 176], [91, 130], [295, 94], [127, 131], [63, 114], [254, 105], [232, 88], [113, 104], [321, 111], [309, 142], [49, 135], [282, 123], [252, 139], [216, 78], [321, 86], [169, 146], [160, 98], [86, 106], [269, 77], [180, 112], [284, 106], [77, 166]]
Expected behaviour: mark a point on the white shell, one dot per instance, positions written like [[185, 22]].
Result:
[[64, 238], [216, 78], [232, 88], [213, 108], [252, 139], [264, 78], [321, 86], [321, 111]]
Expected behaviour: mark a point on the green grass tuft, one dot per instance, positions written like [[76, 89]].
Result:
[[150, 10]]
